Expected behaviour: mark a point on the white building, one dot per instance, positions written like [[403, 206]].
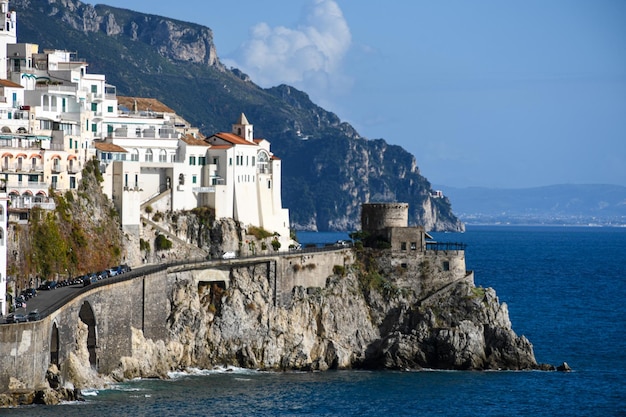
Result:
[[55, 117]]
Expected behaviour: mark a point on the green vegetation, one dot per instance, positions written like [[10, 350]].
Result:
[[339, 270], [162, 243], [275, 244], [144, 245], [258, 232]]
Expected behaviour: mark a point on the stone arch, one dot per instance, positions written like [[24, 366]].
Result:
[[6, 129], [88, 317], [54, 345]]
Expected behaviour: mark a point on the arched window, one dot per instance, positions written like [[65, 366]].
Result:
[[181, 179], [263, 166], [134, 155], [6, 129], [149, 157], [162, 155]]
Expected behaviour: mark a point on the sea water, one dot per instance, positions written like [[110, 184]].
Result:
[[565, 289]]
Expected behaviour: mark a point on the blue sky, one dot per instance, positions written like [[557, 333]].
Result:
[[484, 93]]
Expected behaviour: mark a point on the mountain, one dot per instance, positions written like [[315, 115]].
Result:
[[329, 170], [596, 204]]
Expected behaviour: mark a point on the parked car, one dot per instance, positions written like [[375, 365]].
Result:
[[48, 285], [89, 280], [16, 318], [34, 315], [31, 292], [229, 255]]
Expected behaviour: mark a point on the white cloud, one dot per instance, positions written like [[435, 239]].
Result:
[[308, 56]]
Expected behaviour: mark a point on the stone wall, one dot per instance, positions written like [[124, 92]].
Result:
[[97, 328]]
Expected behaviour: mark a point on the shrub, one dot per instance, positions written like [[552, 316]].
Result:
[[275, 244], [258, 232], [339, 270], [162, 243], [144, 245]]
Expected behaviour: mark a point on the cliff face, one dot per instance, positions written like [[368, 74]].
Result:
[[328, 168], [402, 323]]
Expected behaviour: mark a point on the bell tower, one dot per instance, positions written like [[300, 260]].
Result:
[[244, 129]]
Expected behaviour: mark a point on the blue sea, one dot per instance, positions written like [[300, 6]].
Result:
[[565, 289]]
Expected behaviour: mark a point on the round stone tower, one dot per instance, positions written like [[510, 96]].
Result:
[[376, 217]]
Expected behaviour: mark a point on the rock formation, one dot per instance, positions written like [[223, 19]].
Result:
[[350, 323]]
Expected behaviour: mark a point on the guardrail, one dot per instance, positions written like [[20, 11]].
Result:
[[445, 246]]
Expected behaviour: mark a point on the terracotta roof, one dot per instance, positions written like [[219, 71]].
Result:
[[234, 139], [143, 104], [221, 146], [8, 83], [190, 140], [274, 158], [109, 147]]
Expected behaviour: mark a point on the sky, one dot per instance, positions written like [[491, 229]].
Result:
[[491, 93]]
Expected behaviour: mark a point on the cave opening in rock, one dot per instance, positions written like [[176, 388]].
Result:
[[87, 316], [54, 345]]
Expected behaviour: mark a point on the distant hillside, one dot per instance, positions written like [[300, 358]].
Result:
[[556, 204], [329, 170]]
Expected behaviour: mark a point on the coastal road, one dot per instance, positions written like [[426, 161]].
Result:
[[44, 299]]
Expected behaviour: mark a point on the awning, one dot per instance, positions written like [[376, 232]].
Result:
[[71, 157], [55, 156]]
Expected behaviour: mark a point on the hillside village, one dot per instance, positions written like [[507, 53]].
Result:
[[55, 117]]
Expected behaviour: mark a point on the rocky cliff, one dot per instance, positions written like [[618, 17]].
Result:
[[353, 322], [329, 169]]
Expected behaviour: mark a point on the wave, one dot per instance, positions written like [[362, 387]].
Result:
[[214, 371]]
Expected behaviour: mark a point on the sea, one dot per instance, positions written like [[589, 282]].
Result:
[[565, 288]]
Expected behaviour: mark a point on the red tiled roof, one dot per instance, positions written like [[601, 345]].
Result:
[[234, 139], [109, 147], [9, 83], [143, 104], [221, 146], [190, 140]]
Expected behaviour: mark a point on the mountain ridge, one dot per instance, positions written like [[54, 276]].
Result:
[[329, 170]]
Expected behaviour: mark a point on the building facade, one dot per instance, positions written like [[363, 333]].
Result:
[[55, 116]]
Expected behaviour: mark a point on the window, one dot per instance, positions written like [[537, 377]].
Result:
[[181, 179], [413, 245], [94, 127], [110, 109], [134, 156], [194, 179], [253, 158], [163, 155], [446, 265], [230, 161], [149, 155], [72, 183], [403, 246], [94, 107], [94, 89], [202, 160], [192, 160], [269, 184]]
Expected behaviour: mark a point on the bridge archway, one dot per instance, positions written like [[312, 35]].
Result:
[[54, 345], [87, 316]]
